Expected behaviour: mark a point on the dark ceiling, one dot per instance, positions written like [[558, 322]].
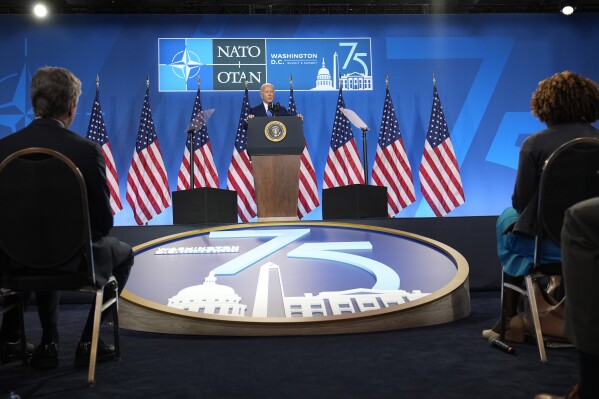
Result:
[[295, 7]]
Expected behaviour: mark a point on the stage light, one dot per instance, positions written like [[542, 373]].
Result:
[[40, 10], [567, 7]]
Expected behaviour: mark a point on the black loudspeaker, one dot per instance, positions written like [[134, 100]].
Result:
[[204, 205], [356, 201]]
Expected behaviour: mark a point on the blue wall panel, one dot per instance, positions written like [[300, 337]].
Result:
[[487, 67]]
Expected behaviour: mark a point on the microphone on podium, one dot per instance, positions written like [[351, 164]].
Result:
[[499, 344], [274, 108]]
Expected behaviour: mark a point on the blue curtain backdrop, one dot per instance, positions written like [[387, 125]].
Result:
[[486, 66]]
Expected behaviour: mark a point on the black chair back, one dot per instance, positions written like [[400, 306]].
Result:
[[569, 175], [45, 235], [44, 222]]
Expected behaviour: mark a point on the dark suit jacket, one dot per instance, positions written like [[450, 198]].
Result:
[[533, 153], [84, 153], [259, 110], [580, 265], [110, 255]]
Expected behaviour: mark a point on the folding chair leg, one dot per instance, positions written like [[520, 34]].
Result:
[[23, 336], [115, 321], [532, 301], [503, 314], [95, 338]]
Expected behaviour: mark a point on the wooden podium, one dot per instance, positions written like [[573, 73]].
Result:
[[275, 146]]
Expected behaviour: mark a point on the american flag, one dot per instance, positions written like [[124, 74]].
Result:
[[96, 131], [343, 163], [147, 184], [307, 198], [391, 165], [240, 177], [204, 170], [440, 180]]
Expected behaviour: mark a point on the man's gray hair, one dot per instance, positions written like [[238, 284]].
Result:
[[53, 89], [265, 85]]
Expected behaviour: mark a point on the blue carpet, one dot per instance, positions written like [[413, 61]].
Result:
[[445, 361]]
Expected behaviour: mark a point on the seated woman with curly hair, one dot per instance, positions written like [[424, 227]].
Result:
[[567, 103]]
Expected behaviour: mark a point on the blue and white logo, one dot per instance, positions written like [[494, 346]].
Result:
[[186, 64], [288, 271], [230, 64]]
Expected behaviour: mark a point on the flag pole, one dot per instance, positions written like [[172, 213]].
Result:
[[147, 89], [364, 150], [190, 133], [365, 144]]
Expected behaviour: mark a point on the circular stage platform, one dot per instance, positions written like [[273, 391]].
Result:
[[268, 279]]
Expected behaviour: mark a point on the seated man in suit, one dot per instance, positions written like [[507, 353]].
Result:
[[268, 107], [54, 95]]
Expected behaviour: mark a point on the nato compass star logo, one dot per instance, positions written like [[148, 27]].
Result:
[[17, 112], [186, 64]]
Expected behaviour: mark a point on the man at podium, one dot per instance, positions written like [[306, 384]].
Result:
[[268, 107], [275, 141]]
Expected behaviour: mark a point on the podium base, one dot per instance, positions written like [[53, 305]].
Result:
[[356, 201], [204, 205]]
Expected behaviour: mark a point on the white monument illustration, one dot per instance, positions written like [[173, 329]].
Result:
[[270, 301], [209, 298], [351, 81], [323, 79]]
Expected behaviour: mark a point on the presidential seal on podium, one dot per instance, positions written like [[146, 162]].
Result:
[[275, 131]]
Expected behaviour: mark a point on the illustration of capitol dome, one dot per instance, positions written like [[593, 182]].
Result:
[[209, 298], [323, 79]]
